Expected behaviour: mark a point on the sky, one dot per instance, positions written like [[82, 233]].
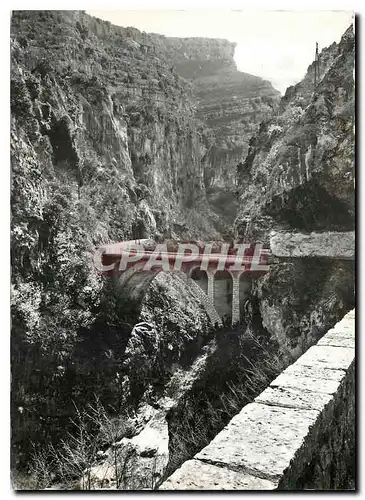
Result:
[[276, 45]]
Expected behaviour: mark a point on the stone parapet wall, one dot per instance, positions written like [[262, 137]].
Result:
[[330, 244], [297, 434]]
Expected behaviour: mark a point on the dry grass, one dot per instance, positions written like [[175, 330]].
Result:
[[205, 417], [69, 465]]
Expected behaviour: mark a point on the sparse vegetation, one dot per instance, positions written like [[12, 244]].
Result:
[[69, 464], [106, 147], [211, 405], [73, 189]]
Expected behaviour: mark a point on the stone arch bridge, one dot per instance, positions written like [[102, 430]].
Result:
[[223, 289]]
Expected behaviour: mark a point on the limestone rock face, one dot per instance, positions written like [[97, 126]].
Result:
[[298, 177], [230, 102], [106, 146], [112, 110], [299, 171], [177, 327]]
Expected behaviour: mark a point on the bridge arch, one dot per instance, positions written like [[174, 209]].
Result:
[[245, 292], [223, 294], [135, 283], [200, 277]]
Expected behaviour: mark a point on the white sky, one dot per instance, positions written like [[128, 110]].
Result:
[[276, 45]]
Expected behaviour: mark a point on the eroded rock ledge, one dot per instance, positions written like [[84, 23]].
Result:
[[330, 244], [298, 433]]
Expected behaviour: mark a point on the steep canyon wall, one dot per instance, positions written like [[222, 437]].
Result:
[[118, 134], [298, 176]]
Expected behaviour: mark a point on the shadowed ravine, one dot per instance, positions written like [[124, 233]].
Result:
[[120, 135]]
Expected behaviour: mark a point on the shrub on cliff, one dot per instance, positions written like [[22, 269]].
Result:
[[20, 101]]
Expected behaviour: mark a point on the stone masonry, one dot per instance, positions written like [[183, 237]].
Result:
[[331, 244], [235, 297], [297, 434]]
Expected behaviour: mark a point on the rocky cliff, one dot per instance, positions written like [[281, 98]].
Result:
[[230, 102], [105, 146], [109, 106], [299, 170], [299, 176], [113, 137]]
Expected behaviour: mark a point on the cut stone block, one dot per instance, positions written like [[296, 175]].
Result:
[[197, 475], [260, 440], [335, 245], [328, 356], [336, 341], [308, 382], [294, 398], [347, 332], [317, 372]]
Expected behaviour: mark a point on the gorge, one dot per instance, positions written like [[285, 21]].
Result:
[[118, 135]]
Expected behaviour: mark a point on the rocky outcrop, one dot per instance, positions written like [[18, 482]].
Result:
[[299, 171], [106, 146], [231, 103], [178, 327], [111, 108], [298, 177]]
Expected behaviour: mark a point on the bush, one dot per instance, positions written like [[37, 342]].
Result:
[[20, 101], [71, 463]]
